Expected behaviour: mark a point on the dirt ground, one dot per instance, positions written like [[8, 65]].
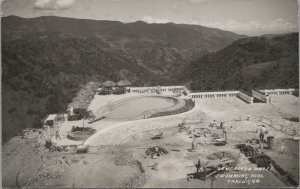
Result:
[[117, 157], [108, 166], [21, 159]]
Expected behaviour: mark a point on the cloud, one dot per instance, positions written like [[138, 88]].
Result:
[[281, 23], [278, 24], [53, 4], [150, 20]]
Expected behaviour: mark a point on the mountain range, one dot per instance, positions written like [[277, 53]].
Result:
[[45, 60]]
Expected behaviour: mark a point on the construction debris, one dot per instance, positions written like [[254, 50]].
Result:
[[255, 156], [154, 167], [156, 151], [182, 127], [211, 168], [262, 160], [247, 149], [219, 141], [213, 124], [157, 136], [82, 149], [201, 131], [198, 132]]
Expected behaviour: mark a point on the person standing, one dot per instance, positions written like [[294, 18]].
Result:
[[198, 165], [222, 124], [48, 130], [262, 131], [224, 128], [194, 145], [57, 136]]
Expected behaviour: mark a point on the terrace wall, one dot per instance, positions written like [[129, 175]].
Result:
[[280, 91], [153, 89]]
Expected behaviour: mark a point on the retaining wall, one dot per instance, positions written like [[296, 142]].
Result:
[[280, 91]]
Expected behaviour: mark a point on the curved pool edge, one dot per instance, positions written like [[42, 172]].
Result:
[[119, 132], [104, 110], [178, 103]]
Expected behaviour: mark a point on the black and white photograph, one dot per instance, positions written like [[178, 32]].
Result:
[[150, 93]]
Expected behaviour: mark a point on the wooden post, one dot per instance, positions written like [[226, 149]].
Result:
[[205, 173]]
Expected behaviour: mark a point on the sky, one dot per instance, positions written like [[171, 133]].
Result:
[[249, 17]]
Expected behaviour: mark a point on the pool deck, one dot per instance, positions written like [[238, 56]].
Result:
[[112, 132]]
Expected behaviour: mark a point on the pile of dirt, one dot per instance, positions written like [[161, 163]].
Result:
[[52, 173], [288, 146], [109, 166], [21, 161], [222, 155]]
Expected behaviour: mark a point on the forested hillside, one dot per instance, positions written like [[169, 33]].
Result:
[[46, 60], [248, 63]]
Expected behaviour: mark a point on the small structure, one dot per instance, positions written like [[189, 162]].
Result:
[[73, 112], [123, 84], [49, 120], [107, 88], [99, 90], [83, 149], [61, 117]]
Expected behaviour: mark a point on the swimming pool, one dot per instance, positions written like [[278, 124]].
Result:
[[134, 108]]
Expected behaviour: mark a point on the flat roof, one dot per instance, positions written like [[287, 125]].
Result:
[[51, 117]]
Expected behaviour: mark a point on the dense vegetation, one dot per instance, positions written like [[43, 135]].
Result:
[[248, 63], [41, 77]]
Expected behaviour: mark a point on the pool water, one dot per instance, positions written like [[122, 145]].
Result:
[[136, 107]]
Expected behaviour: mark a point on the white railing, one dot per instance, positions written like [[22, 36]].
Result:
[[154, 89], [217, 94], [279, 91], [245, 97], [263, 97]]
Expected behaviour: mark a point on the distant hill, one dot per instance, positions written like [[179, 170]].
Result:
[[46, 60], [167, 45], [248, 63]]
